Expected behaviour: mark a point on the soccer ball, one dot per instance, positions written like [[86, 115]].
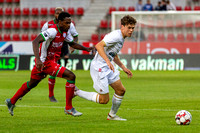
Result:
[[183, 117]]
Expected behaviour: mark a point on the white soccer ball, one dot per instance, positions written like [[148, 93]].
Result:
[[183, 117]]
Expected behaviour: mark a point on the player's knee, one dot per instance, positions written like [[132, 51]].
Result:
[[72, 76], [121, 91], [103, 100], [69, 76], [32, 85]]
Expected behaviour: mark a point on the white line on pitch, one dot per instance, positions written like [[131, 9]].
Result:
[[28, 106]]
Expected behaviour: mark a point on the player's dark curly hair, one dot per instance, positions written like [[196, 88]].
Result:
[[63, 15], [126, 20]]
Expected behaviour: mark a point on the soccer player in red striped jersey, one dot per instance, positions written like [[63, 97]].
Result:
[[64, 50], [47, 48]]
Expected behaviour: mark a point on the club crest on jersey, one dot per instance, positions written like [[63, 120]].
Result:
[[64, 35]]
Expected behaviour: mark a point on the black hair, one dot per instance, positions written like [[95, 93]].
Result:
[[63, 15]]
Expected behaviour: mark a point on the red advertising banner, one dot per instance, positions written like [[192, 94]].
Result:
[[156, 47], [161, 48], [87, 44]]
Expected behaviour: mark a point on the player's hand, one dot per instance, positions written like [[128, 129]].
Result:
[[93, 50], [128, 72], [39, 65], [71, 49], [110, 65], [90, 49]]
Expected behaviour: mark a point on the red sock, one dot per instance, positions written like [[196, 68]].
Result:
[[69, 94], [51, 86], [20, 93]]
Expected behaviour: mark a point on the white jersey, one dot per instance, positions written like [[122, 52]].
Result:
[[101, 74], [114, 42], [72, 29]]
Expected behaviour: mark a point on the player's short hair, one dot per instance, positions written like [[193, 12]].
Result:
[[59, 8], [126, 20], [63, 15]]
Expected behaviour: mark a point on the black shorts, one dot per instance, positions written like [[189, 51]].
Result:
[[65, 49]]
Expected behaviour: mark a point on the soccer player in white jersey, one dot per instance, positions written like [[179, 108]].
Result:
[[64, 51], [104, 73]]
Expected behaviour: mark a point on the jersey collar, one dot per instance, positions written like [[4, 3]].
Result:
[[54, 21], [59, 29]]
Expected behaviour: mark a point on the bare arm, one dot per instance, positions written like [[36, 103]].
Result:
[[80, 47], [100, 48], [36, 44], [71, 49], [120, 64]]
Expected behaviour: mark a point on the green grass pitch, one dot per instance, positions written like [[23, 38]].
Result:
[[151, 101]]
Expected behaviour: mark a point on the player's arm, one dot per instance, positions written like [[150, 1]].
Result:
[[75, 45], [36, 44], [79, 47], [100, 48], [75, 40], [121, 65]]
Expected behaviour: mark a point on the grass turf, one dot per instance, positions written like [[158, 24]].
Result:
[[151, 101]]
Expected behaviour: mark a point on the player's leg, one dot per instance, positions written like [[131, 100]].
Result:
[[100, 84], [51, 83], [92, 96], [70, 86], [116, 100], [23, 90]]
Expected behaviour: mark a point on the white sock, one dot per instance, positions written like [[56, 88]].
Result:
[[91, 96], [116, 102]]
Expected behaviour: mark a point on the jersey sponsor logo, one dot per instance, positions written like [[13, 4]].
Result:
[[57, 44], [121, 44], [51, 53], [112, 54]]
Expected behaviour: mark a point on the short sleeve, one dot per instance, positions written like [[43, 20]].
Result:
[[69, 37], [49, 33], [72, 30], [44, 27], [111, 39]]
